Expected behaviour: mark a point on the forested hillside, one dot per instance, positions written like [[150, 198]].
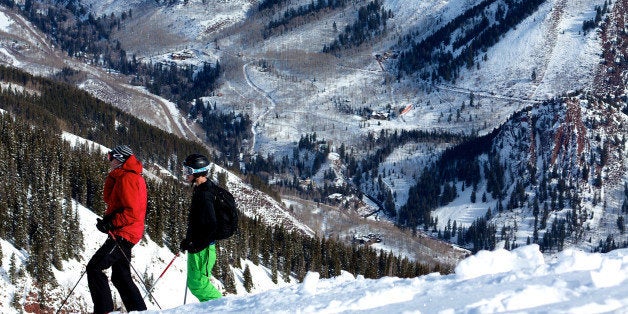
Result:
[[462, 41], [551, 163], [42, 174]]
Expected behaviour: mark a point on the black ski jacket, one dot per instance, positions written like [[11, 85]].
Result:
[[201, 219]]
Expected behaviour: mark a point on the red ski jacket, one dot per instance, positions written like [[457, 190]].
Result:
[[126, 198]]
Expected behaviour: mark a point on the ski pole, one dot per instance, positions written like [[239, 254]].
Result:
[[186, 291], [162, 274], [134, 270], [76, 284], [69, 294]]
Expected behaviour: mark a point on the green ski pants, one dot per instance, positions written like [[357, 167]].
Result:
[[199, 271]]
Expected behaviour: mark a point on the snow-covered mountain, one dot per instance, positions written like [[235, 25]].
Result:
[[298, 93], [289, 87], [548, 96]]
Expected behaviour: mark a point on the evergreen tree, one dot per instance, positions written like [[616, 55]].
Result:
[[228, 280], [274, 271], [248, 279], [13, 272]]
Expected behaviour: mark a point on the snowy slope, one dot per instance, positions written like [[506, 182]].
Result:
[[148, 260], [522, 281], [519, 281], [550, 42]]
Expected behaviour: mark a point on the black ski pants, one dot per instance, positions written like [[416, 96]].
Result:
[[118, 257]]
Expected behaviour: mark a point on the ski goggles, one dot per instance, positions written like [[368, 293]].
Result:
[[187, 170], [111, 156]]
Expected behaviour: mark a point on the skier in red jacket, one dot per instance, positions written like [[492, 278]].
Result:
[[126, 198]]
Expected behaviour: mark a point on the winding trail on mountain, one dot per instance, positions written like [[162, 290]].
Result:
[[257, 120]]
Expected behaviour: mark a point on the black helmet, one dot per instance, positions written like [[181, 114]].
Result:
[[196, 164]]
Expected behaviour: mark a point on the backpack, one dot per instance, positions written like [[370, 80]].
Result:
[[226, 212]]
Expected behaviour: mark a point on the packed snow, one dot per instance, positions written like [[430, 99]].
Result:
[[5, 22], [522, 280]]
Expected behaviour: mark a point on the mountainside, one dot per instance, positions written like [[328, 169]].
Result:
[[393, 123], [50, 205], [274, 72], [554, 174], [289, 88]]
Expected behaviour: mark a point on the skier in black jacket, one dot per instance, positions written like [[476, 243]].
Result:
[[201, 225]]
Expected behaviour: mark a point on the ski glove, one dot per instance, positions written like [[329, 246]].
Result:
[[104, 225], [185, 245]]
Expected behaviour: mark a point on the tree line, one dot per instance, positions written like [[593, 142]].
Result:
[[370, 23], [289, 253], [293, 17], [432, 58]]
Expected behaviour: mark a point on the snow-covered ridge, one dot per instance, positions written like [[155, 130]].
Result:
[[520, 281], [254, 203]]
